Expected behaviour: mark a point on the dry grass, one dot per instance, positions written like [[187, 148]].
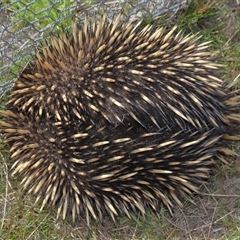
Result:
[[215, 214]]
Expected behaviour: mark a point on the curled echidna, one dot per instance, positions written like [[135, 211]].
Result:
[[113, 118]]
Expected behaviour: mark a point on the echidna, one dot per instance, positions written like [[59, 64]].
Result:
[[110, 118]]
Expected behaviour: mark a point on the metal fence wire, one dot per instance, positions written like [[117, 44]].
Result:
[[24, 23]]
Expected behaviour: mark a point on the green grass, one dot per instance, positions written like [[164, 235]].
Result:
[[41, 13], [53, 16], [216, 213]]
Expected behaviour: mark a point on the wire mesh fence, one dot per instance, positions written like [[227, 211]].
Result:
[[24, 24]]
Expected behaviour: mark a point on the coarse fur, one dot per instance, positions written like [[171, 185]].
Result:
[[110, 118]]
